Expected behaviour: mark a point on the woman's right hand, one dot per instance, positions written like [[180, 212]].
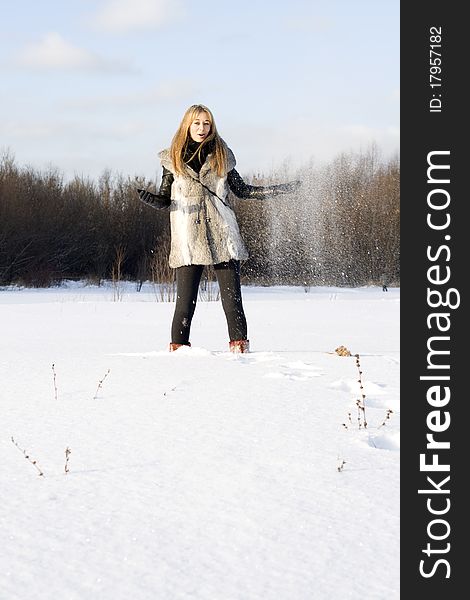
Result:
[[154, 200]]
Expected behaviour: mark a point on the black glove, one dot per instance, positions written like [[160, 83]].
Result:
[[285, 188], [154, 200]]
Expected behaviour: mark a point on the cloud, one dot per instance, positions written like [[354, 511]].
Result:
[[308, 24], [57, 131], [365, 132], [306, 138], [54, 52], [118, 16], [21, 129], [166, 91]]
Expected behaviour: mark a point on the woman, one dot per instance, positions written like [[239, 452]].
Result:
[[198, 171]]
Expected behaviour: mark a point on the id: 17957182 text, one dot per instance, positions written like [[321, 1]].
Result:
[[435, 69]]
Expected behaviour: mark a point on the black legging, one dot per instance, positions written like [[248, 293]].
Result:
[[187, 282]]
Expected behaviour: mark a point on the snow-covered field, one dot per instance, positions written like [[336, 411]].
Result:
[[199, 474]]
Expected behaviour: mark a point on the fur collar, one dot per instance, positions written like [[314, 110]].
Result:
[[166, 161]]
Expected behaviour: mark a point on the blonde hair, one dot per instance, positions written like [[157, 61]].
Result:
[[218, 160]]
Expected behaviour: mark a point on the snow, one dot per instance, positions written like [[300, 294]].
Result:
[[199, 474]]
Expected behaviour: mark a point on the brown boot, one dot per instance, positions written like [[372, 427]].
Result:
[[174, 346], [239, 346]]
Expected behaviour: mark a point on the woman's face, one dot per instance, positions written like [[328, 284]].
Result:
[[200, 127]]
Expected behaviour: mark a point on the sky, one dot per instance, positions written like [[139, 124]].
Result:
[[90, 85], [199, 473]]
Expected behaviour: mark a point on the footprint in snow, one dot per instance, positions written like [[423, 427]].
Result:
[[385, 440], [297, 370], [376, 394], [352, 386]]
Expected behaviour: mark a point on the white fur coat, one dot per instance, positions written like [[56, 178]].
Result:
[[204, 229]]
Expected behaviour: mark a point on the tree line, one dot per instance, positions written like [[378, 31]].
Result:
[[342, 227]]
